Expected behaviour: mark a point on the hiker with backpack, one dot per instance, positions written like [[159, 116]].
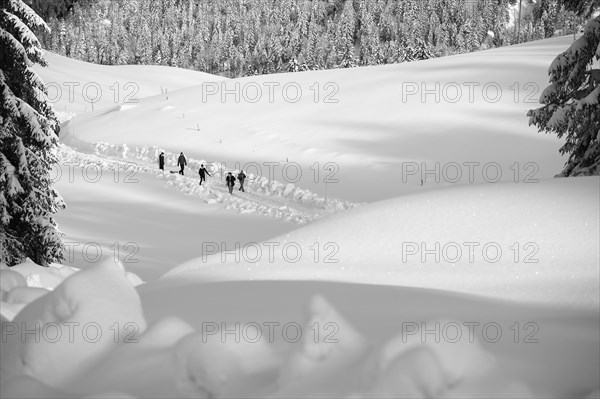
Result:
[[203, 172], [181, 162], [241, 177], [230, 180], [161, 161]]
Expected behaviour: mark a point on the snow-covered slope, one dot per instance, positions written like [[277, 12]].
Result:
[[125, 209], [369, 122], [76, 87], [516, 242]]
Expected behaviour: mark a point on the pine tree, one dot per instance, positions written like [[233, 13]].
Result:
[[368, 38], [345, 40], [571, 103], [544, 12], [28, 139], [583, 8]]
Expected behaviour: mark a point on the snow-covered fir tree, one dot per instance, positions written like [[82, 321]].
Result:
[[571, 103], [28, 139], [345, 37]]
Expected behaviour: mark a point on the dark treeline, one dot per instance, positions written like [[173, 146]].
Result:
[[245, 37]]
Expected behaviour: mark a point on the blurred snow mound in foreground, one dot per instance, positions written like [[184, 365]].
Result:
[[89, 337]]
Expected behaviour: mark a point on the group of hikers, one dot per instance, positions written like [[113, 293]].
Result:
[[182, 163]]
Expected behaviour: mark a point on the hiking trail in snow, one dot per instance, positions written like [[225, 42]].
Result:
[[263, 196]]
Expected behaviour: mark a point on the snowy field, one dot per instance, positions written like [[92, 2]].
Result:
[[401, 235]]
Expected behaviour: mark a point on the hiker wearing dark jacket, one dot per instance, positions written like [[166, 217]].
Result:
[[203, 172], [230, 180], [241, 177], [181, 162], [161, 161]]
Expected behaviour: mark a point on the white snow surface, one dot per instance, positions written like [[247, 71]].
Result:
[[369, 317], [505, 241]]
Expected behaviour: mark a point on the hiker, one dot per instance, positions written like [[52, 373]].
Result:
[[230, 180], [203, 172], [161, 161], [241, 178], [181, 162]]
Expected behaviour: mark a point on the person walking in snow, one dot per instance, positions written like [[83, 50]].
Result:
[[161, 161], [241, 177], [230, 180], [181, 162], [203, 172]]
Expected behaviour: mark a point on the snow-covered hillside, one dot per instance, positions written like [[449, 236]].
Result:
[[518, 243], [368, 125], [482, 280], [88, 86]]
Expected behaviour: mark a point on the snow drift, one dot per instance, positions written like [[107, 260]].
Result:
[[515, 242]]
